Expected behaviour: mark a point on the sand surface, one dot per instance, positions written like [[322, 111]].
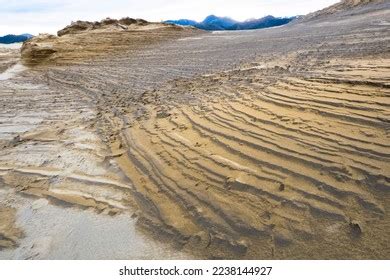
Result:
[[270, 144]]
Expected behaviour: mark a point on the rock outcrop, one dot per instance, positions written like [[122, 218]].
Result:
[[38, 49], [81, 26], [83, 39]]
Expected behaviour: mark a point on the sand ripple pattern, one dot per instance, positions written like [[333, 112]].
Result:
[[259, 144]]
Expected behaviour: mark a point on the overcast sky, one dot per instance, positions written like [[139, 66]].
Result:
[[38, 16]]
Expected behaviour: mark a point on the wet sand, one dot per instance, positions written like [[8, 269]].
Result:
[[65, 233]]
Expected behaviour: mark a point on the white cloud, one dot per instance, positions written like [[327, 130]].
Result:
[[36, 16]]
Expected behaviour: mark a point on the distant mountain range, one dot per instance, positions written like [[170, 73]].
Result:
[[211, 23], [214, 23], [10, 38]]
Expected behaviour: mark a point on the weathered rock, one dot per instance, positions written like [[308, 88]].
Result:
[[85, 39], [38, 49], [76, 27], [127, 21]]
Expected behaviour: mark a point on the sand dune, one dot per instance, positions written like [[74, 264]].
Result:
[[270, 144]]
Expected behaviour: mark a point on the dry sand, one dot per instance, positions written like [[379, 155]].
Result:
[[269, 144]]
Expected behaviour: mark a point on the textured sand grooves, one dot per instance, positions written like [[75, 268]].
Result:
[[295, 162], [269, 144]]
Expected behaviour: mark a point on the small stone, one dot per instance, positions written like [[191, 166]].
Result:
[[134, 215], [356, 228], [162, 114], [230, 180]]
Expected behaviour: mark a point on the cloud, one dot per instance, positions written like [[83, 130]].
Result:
[[36, 16], [29, 6]]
